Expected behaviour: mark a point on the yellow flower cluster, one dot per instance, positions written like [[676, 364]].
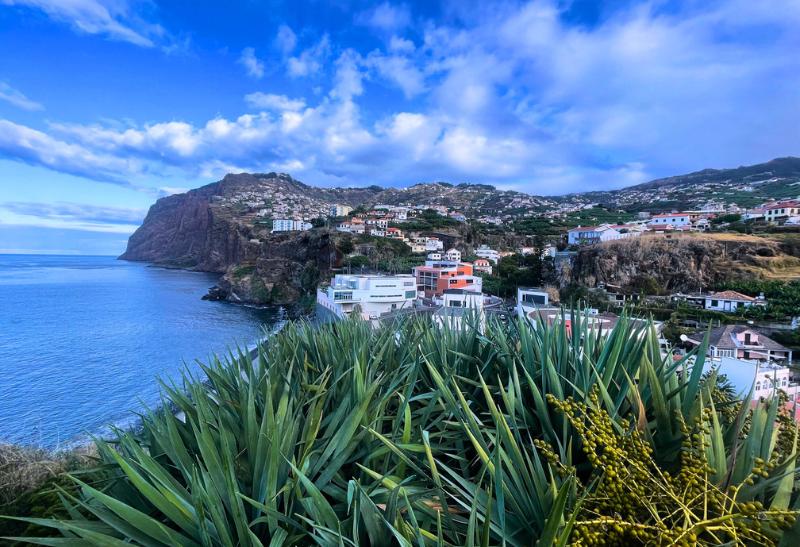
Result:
[[635, 502]]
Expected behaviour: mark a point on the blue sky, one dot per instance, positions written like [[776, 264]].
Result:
[[105, 105]]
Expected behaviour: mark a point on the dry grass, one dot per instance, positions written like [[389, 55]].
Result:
[[24, 469]]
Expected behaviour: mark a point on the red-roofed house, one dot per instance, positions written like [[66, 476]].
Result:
[[781, 210]]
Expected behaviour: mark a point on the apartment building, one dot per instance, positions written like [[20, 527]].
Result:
[[436, 277], [369, 295]]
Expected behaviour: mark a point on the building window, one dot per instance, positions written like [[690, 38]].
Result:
[[715, 303], [758, 386]]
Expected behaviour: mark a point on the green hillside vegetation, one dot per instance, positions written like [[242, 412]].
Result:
[[413, 435], [783, 298]]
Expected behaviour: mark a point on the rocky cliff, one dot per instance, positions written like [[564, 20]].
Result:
[[658, 264], [222, 228]]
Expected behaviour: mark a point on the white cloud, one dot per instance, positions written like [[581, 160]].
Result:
[[399, 70], [115, 19], [398, 44], [386, 17], [251, 63], [38, 148], [310, 60], [285, 39], [516, 96], [71, 216], [17, 98], [269, 101]]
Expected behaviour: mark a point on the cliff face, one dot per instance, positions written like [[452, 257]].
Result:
[[683, 264], [222, 228]]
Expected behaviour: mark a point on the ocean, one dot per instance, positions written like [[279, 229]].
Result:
[[84, 340]]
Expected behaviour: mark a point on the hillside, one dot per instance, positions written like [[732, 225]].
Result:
[[746, 186], [225, 227]]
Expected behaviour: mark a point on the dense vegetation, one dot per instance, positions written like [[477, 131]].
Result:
[[783, 298], [413, 435]]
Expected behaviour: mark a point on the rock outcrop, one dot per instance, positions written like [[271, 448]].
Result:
[[216, 228], [686, 264]]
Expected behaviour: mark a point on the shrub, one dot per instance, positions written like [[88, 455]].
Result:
[[412, 434]]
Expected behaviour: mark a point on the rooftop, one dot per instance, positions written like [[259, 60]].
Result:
[[731, 295]]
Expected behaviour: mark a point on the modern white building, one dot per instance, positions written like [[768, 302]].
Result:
[[489, 254], [673, 219], [435, 256], [529, 299], [290, 225], [592, 234], [369, 295], [459, 306]]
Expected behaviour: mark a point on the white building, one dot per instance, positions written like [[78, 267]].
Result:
[[781, 210], [673, 219], [340, 210], [435, 256], [434, 244], [369, 295], [458, 306], [730, 301], [592, 234], [489, 254], [530, 299], [453, 255], [289, 225], [763, 378]]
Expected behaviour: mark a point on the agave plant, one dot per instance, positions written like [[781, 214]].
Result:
[[418, 434]]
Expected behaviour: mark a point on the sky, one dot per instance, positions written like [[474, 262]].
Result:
[[107, 105]]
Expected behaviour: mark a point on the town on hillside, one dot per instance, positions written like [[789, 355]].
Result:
[[753, 330]]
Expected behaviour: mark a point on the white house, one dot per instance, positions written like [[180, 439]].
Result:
[[453, 255], [434, 256], [673, 219], [781, 210], [592, 234], [353, 226], [290, 225], [741, 342], [489, 254], [371, 295], [730, 301]]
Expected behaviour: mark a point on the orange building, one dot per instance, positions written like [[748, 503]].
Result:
[[437, 276]]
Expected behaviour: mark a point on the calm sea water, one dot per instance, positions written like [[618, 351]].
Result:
[[84, 339]]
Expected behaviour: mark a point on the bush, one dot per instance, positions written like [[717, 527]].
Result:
[[411, 434]]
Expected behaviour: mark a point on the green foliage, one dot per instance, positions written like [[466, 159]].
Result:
[[722, 219], [243, 271], [428, 219], [518, 271], [345, 245], [411, 434], [783, 298]]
